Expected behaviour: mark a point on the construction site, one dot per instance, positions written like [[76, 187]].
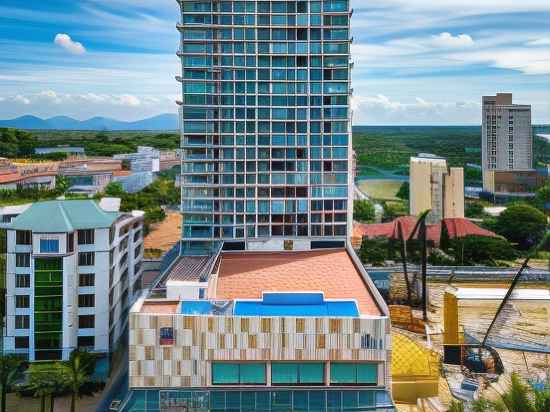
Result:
[[474, 335]]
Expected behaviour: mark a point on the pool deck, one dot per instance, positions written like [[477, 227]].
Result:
[[246, 275]]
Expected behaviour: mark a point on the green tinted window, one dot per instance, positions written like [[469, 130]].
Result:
[[297, 373], [367, 373], [312, 373], [353, 374], [343, 373], [238, 373], [225, 374], [284, 373], [252, 373]]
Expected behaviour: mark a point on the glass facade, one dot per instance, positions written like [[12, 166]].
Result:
[[266, 129], [48, 308], [262, 401]]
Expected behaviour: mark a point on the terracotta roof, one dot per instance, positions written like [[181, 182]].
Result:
[[456, 228], [387, 230], [10, 177], [245, 275], [459, 228], [165, 306]]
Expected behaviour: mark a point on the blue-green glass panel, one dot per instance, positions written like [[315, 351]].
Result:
[[343, 373], [284, 373], [367, 373], [225, 374], [312, 373], [252, 373]]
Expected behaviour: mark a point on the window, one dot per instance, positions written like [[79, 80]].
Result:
[[166, 336], [86, 237], [353, 373], [297, 373], [238, 373], [86, 279], [86, 258], [21, 342], [70, 242], [86, 321], [49, 245], [22, 322], [23, 260], [23, 237], [22, 301], [86, 301], [22, 281], [86, 342]]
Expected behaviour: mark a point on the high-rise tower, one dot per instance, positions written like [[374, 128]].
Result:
[[265, 123], [507, 138]]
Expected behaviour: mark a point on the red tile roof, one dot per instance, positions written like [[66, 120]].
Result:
[[456, 228], [459, 228], [245, 275]]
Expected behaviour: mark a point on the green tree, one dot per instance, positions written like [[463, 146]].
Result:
[[522, 224], [78, 372], [456, 407], [10, 371], [47, 381], [472, 250], [114, 189], [61, 184], [363, 211], [374, 251], [542, 197], [519, 397], [404, 191], [475, 210]]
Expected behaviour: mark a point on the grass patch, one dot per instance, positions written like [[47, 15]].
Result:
[[381, 189]]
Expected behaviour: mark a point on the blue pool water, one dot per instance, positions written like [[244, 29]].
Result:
[[295, 304], [197, 307]]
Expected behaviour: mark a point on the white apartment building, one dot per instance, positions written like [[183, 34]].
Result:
[[435, 187], [71, 273], [507, 136]]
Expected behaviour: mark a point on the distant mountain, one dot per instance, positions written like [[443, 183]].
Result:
[[160, 122]]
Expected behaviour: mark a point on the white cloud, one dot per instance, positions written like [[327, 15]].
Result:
[[50, 95], [447, 40], [129, 100], [21, 99], [540, 42], [64, 40], [383, 110], [527, 61]]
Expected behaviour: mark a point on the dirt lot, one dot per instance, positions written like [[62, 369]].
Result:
[[163, 235]]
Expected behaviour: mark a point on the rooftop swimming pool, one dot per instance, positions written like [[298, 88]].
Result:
[[273, 304]]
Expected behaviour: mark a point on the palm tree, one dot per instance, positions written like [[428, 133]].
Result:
[[47, 382], [78, 367], [10, 371], [519, 398]]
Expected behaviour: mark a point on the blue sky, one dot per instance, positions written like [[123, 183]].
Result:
[[416, 61]]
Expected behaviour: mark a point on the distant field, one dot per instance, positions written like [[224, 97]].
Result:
[[390, 147], [380, 189]]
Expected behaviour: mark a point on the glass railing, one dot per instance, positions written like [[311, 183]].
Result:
[[263, 401]]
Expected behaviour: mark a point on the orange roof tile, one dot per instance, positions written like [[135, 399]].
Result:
[[245, 275], [456, 228], [160, 307]]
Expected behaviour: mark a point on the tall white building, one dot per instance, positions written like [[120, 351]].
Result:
[[72, 270], [507, 136], [435, 187]]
